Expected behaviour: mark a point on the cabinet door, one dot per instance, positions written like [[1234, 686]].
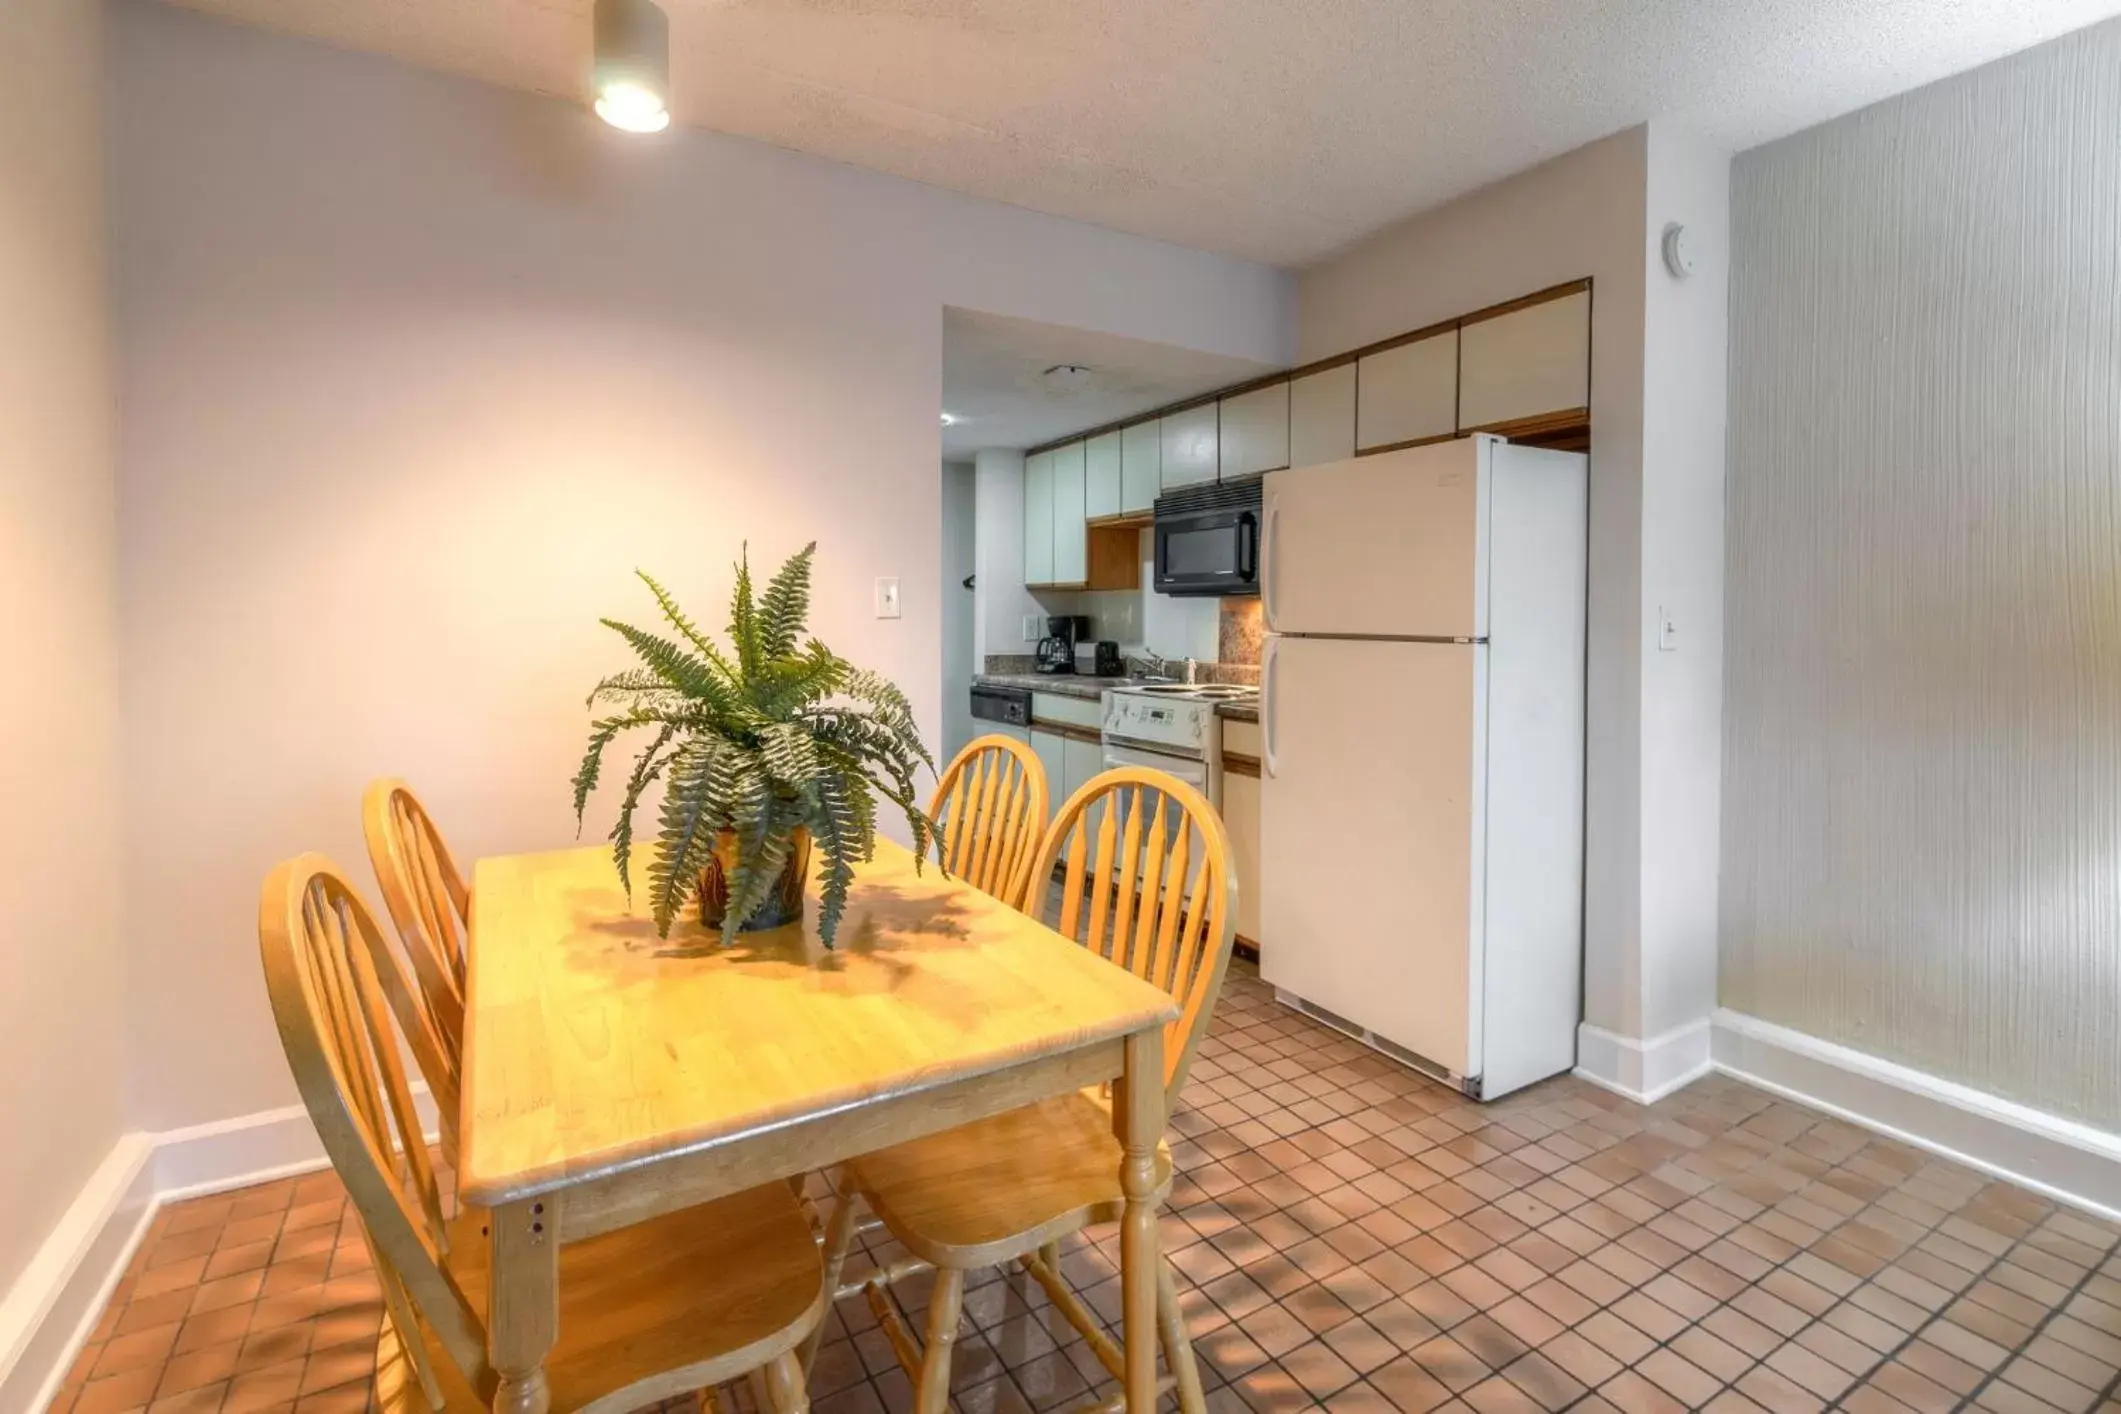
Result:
[[1241, 819], [1526, 363], [1038, 519], [1322, 416], [1189, 447], [1141, 465], [1408, 393], [1101, 476], [1071, 545], [1080, 761], [1052, 758], [1254, 436]]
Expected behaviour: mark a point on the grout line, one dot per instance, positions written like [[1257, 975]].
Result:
[[2045, 1321]]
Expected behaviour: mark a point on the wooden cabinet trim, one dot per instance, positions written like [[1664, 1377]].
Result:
[[1080, 733], [1496, 311], [1493, 311], [1412, 442], [1240, 766], [1546, 424]]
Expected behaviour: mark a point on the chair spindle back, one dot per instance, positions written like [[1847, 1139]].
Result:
[[991, 805], [1149, 884], [335, 982]]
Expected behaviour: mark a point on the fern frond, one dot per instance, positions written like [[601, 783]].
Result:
[[791, 756], [686, 628], [788, 685], [836, 822], [690, 823], [743, 620], [682, 671], [650, 765], [629, 683], [601, 735], [786, 607]]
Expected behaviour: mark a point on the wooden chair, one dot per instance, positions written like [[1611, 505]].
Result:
[[431, 910], [645, 1313], [991, 805], [1148, 885]]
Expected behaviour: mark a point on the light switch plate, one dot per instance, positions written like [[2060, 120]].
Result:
[[1031, 634], [1667, 632], [887, 596]]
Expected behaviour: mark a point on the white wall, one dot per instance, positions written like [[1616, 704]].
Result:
[[1921, 820], [1657, 414], [959, 559], [62, 867], [414, 373], [1581, 214], [1686, 339]]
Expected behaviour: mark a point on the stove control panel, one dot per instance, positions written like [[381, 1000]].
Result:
[[1164, 721]]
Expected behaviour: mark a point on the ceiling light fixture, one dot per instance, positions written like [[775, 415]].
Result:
[[632, 78], [1066, 378]]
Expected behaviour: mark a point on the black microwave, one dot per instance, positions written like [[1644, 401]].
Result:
[[1207, 539]]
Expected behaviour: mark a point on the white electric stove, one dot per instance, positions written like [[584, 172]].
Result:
[[1171, 727]]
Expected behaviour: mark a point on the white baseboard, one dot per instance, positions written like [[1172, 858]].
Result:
[[1643, 1071], [47, 1314], [2068, 1161], [46, 1317]]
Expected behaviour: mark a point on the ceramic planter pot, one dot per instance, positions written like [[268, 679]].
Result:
[[782, 906]]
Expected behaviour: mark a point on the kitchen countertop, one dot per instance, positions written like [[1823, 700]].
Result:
[[1091, 688], [1062, 684]]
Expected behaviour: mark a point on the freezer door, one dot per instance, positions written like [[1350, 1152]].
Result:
[[1370, 836], [1389, 546]]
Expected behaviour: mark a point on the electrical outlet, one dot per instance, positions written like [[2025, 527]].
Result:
[[887, 596], [1667, 632], [1031, 628]]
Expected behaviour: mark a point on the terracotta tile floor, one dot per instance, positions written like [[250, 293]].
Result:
[[1353, 1237]]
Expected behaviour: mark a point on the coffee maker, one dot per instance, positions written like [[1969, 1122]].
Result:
[[1056, 651]]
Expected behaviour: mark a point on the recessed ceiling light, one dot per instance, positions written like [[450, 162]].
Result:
[[632, 78], [950, 419]]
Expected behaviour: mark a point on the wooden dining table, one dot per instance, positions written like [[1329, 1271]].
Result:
[[611, 1075]]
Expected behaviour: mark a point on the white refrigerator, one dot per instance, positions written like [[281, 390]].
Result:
[[1421, 791]]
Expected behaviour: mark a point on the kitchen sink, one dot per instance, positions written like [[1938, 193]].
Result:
[[1219, 690]]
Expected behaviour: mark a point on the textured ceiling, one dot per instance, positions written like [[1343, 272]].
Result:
[[994, 379], [1279, 130]]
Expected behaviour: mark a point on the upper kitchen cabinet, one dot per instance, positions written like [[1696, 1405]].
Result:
[[1101, 476], [1141, 466], [1322, 416], [1071, 549], [1530, 362], [1189, 440], [1254, 434], [1407, 393], [1038, 519]]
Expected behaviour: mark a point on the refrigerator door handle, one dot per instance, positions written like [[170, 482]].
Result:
[[1266, 711], [1266, 560]]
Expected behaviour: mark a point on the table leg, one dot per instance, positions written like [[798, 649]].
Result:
[[523, 1313], [1138, 1121]]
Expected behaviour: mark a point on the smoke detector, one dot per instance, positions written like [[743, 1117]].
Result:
[[1065, 379]]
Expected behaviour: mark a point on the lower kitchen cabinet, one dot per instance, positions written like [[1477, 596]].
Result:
[[1241, 820], [1080, 760], [1052, 749]]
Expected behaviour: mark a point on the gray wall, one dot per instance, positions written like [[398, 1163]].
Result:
[[1922, 800]]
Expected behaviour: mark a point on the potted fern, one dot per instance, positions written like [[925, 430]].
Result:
[[765, 751]]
